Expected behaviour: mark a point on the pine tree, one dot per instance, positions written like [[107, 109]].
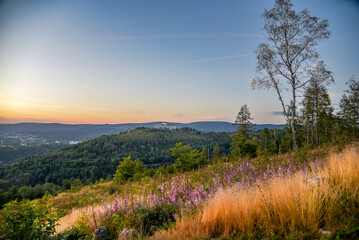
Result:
[[349, 105], [241, 146], [204, 156], [216, 152], [317, 110], [243, 120], [266, 141]]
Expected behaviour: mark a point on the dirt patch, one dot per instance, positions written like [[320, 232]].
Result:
[[70, 219]]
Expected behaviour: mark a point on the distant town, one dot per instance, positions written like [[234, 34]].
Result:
[[27, 139], [30, 139]]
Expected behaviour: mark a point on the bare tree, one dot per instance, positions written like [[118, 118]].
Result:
[[284, 63]]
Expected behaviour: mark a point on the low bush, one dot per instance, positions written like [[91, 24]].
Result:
[[25, 220]]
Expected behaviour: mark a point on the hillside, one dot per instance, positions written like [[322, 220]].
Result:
[[98, 158], [281, 198], [21, 140], [10, 154], [59, 131]]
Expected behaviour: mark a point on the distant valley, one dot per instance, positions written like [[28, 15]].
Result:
[[99, 157], [21, 140], [50, 133]]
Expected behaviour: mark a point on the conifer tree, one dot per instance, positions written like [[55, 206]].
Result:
[[243, 121], [349, 108], [317, 110], [204, 156], [241, 146], [216, 152]]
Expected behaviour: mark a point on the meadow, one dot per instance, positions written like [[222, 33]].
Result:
[[292, 196]]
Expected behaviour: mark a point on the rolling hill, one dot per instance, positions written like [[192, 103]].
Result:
[[100, 156], [83, 132]]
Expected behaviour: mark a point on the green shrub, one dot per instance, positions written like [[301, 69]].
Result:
[[186, 159], [24, 220], [71, 234], [128, 169], [161, 216], [348, 233]]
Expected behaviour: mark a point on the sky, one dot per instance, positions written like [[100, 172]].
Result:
[[142, 61]]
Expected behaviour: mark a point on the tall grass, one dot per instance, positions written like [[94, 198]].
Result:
[[290, 207]]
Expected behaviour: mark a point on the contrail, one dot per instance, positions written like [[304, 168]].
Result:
[[148, 37], [205, 60]]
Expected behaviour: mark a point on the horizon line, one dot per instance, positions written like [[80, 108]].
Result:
[[31, 122]]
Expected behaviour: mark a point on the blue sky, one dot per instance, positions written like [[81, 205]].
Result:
[[140, 61]]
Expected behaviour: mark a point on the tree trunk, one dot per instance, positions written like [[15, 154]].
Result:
[[294, 132], [316, 136], [292, 122]]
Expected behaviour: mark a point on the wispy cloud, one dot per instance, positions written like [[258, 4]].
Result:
[[205, 60], [277, 113], [333, 95], [347, 77], [149, 37]]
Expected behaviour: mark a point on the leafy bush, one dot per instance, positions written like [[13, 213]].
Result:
[[186, 159], [24, 220], [128, 169], [145, 219], [149, 219], [71, 234]]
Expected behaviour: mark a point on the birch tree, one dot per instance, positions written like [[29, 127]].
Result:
[[283, 63]]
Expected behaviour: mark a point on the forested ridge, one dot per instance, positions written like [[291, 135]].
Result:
[[98, 158], [10, 155]]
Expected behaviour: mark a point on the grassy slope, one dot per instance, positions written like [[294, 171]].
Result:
[[294, 208]]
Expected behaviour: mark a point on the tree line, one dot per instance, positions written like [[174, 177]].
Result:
[[99, 157], [316, 125], [289, 63]]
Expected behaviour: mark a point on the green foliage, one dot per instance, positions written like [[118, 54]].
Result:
[[349, 109], [70, 234], [317, 111], [216, 152], [12, 194], [99, 157], [13, 154], [347, 233], [145, 220], [127, 169], [186, 159], [243, 120], [38, 191], [269, 142], [24, 220], [154, 218], [204, 158], [240, 147], [76, 185]]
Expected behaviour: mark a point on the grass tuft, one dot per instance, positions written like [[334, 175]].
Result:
[[293, 207]]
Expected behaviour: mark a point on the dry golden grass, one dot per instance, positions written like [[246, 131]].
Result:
[[343, 168], [287, 206], [70, 219]]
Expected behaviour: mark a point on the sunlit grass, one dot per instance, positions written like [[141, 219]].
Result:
[[289, 206]]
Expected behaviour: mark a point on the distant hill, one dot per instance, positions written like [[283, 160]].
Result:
[[80, 132], [21, 140], [100, 156]]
